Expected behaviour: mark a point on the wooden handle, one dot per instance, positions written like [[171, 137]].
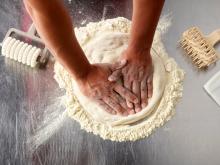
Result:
[[214, 37]]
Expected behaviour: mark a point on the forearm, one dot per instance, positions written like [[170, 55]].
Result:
[[55, 27], [145, 17]]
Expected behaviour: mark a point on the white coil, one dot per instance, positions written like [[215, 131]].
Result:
[[20, 51]]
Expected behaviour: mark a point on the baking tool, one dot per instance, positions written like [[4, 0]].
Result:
[[213, 87], [199, 47], [25, 47]]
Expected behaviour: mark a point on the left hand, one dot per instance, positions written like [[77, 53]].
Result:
[[112, 96], [137, 76]]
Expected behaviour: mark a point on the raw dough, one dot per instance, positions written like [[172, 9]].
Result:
[[104, 42]]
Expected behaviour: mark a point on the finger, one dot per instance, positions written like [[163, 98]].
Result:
[[150, 86], [115, 75], [106, 107], [114, 105], [125, 93], [136, 91], [123, 104], [118, 65], [144, 95], [127, 84], [117, 98]]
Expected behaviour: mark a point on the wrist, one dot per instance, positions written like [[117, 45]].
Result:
[[138, 46], [140, 41], [81, 76], [136, 51], [74, 60]]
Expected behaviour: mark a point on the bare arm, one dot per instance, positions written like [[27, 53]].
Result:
[[55, 28], [145, 17], [138, 73]]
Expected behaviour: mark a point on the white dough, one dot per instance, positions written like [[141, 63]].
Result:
[[103, 42]]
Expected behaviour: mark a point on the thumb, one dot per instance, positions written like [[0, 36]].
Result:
[[116, 75], [118, 65]]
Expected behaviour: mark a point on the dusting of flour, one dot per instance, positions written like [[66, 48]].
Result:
[[112, 35]]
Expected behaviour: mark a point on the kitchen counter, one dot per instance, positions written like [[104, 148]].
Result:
[[33, 129]]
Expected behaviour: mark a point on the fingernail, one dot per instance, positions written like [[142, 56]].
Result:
[[113, 112], [130, 105], [136, 100], [110, 78], [143, 105], [138, 109], [131, 112], [125, 113], [149, 96], [123, 61]]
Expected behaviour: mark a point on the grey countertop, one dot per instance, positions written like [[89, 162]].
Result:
[[29, 102]]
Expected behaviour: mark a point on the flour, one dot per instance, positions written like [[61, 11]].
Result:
[[104, 42]]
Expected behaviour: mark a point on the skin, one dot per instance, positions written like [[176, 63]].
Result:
[[138, 73], [93, 79]]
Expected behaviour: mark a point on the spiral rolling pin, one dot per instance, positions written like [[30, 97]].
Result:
[[200, 48], [25, 47]]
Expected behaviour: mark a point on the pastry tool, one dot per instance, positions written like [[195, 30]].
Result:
[[200, 48], [212, 87], [25, 47]]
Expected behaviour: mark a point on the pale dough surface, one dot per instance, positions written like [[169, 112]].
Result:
[[103, 42]]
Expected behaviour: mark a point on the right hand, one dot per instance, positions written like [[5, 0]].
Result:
[[137, 75], [111, 96]]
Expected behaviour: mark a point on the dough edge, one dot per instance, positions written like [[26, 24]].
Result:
[[166, 108]]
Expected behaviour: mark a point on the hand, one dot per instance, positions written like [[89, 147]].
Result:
[[111, 96], [137, 76]]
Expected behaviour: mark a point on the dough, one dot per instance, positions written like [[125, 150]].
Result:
[[103, 42]]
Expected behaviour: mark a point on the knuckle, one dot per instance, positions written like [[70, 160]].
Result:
[[124, 70], [115, 73], [112, 103], [118, 107], [143, 88], [132, 98], [109, 102]]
